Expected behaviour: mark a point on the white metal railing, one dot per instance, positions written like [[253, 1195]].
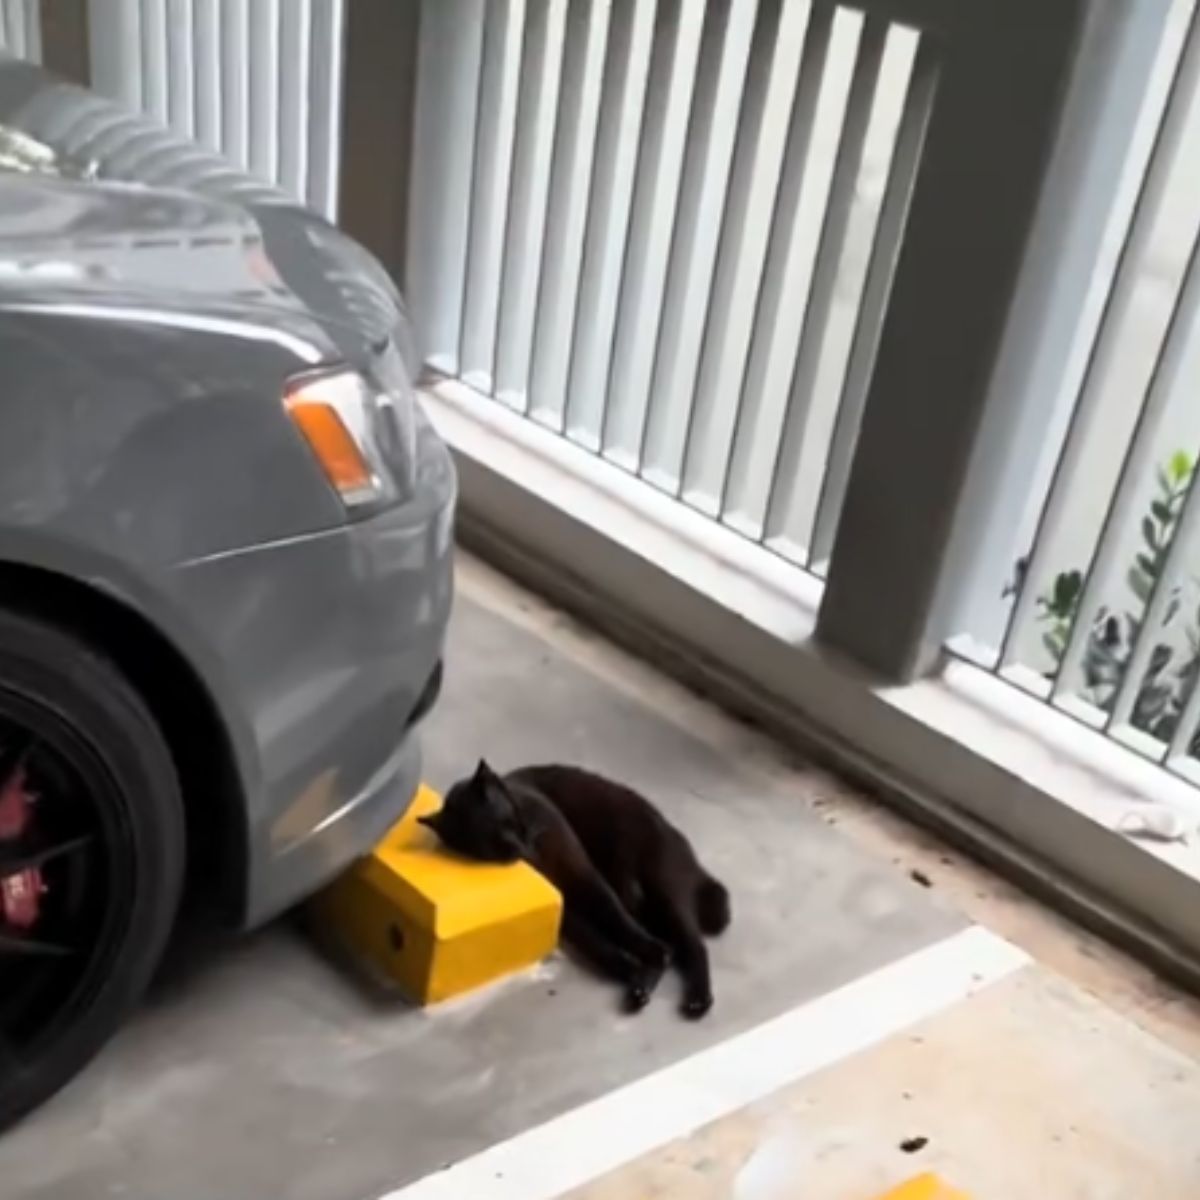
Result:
[[668, 230], [1106, 617], [259, 80], [21, 28]]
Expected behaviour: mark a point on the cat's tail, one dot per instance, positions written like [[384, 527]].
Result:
[[712, 906]]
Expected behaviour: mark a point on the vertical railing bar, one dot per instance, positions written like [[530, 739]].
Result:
[[510, 192], [618, 138], [206, 32], [16, 27], [538, 114], [235, 76], [569, 401], [721, 76], [116, 51], [1151, 193], [637, 461], [263, 53], [834, 226], [4, 37], [153, 54], [181, 91], [556, 316], [885, 252], [606, 370], [651, 233], [33, 29], [657, 23], [1168, 370], [1189, 720], [802, 120], [697, 140], [1156, 608], [325, 114], [472, 197], [500, 78], [295, 34], [432, 237], [733, 256]]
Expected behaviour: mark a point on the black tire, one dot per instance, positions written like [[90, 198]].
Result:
[[82, 708]]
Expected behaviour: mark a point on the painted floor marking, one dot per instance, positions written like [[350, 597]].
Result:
[[569, 1151]]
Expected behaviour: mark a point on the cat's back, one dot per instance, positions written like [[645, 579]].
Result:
[[590, 802]]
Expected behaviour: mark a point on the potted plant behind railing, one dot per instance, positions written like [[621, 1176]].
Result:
[[1172, 670]]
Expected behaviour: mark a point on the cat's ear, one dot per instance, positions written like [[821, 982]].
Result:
[[484, 772], [496, 795]]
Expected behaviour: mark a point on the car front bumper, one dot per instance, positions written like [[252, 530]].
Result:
[[328, 651]]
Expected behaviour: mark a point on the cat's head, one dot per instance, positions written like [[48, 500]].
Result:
[[480, 819]]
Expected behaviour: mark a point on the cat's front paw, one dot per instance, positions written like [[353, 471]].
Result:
[[696, 1004]]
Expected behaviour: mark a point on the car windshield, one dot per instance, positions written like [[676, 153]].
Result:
[[19, 152]]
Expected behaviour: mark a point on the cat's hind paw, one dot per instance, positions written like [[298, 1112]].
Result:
[[637, 996], [696, 1005], [640, 988]]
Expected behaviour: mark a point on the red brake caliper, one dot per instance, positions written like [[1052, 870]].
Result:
[[20, 893]]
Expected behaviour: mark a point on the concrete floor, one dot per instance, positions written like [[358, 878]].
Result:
[[265, 1070], [1028, 1089]]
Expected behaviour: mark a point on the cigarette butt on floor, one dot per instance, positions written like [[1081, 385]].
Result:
[[434, 924], [925, 1187]]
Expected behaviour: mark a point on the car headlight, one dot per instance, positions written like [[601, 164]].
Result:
[[357, 434]]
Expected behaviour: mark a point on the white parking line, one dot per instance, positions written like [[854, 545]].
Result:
[[545, 1162]]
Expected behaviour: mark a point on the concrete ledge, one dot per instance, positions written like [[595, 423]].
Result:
[[1003, 774]]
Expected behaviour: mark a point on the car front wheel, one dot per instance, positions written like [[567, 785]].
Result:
[[91, 855]]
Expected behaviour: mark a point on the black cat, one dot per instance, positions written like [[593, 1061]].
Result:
[[630, 880]]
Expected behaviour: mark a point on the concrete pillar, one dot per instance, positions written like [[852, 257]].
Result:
[[1006, 219]]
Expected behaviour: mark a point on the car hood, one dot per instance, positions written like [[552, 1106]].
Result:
[[156, 253], [120, 207]]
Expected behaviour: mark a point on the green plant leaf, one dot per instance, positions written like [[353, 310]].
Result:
[[1065, 596], [1167, 683]]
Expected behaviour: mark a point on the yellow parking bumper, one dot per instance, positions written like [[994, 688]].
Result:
[[434, 924], [925, 1187]]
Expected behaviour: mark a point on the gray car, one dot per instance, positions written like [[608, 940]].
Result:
[[225, 559]]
